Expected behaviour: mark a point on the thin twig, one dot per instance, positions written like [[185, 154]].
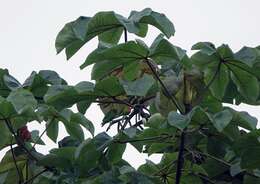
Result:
[[144, 139]]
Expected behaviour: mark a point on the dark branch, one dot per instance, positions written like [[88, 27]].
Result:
[[16, 166], [125, 33]]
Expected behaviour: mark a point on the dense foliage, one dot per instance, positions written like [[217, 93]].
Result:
[[158, 99]]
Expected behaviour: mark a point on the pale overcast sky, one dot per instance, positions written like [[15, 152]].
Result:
[[29, 27]]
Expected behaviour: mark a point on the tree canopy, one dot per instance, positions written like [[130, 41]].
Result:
[[160, 100]]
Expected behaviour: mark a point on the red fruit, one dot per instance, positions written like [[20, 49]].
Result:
[[24, 133]]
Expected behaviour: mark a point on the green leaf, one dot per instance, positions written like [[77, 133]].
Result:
[[115, 152], [63, 96], [160, 21], [178, 120], [247, 84], [205, 47], [131, 71], [205, 61], [155, 121], [125, 52], [222, 119], [5, 135], [65, 153], [52, 129], [217, 79], [35, 137], [36, 84], [109, 87], [22, 99], [72, 35], [245, 120], [11, 82], [248, 55], [83, 106], [53, 160], [7, 110], [81, 119], [225, 52], [52, 77], [104, 68], [72, 127], [162, 51], [248, 148], [112, 36], [4, 90], [138, 87], [86, 156]]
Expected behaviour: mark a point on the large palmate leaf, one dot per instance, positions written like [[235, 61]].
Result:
[[109, 27], [126, 52], [160, 21]]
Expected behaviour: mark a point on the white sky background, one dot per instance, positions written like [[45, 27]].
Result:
[[28, 29]]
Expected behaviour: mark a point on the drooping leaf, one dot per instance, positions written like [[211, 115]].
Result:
[[245, 120], [205, 47], [81, 119], [72, 36], [72, 127], [160, 21], [52, 129]]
